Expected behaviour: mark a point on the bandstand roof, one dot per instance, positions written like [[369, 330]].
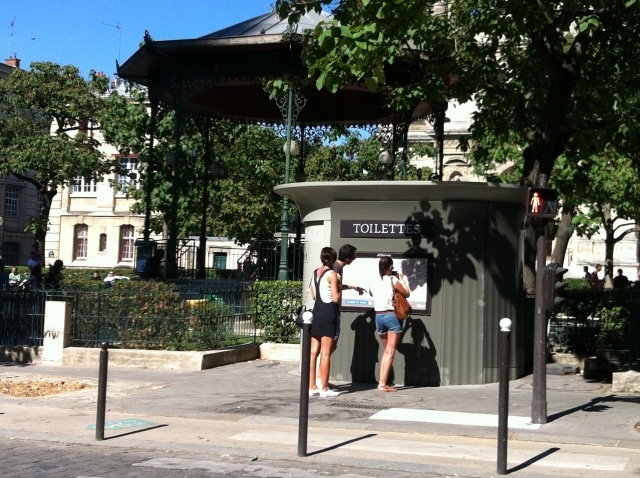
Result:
[[223, 74]]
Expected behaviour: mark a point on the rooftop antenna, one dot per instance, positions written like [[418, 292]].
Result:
[[119, 28], [11, 28]]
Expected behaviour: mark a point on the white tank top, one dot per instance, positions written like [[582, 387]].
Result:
[[325, 288]]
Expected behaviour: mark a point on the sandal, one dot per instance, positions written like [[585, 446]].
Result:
[[386, 388]]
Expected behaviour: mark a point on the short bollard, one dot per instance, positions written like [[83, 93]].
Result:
[[503, 394], [305, 363], [102, 390]]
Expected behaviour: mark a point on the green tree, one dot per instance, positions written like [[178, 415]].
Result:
[[610, 182], [48, 114], [244, 205], [241, 204], [547, 77]]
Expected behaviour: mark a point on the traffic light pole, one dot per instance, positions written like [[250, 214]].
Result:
[[539, 403]]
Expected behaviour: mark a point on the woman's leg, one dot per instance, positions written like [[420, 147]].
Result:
[[390, 343], [315, 351], [326, 344]]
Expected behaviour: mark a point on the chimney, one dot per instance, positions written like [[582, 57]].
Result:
[[13, 61]]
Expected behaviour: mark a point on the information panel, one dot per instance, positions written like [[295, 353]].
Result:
[[364, 269]]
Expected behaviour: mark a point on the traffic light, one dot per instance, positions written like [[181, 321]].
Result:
[[542, 203], [553, 285]]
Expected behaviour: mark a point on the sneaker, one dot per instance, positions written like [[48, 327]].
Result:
[[314, 392], [328, 393]]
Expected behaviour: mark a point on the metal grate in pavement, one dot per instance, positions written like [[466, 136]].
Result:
[[363, 406]]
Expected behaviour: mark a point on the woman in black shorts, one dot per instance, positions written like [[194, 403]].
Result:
[[325, 290]]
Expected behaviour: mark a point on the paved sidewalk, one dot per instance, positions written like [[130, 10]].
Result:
[[252, 409]]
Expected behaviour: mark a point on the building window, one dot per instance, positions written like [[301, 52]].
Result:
[[129, 177], [81, 240], [81, 185], [11, 201], [39, 204], [126, 243], [10, 253], [102, 245]]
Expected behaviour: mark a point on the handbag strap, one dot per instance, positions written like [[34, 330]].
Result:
[[393, 288]]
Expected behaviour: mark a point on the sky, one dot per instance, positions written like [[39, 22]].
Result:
[[93, 34]]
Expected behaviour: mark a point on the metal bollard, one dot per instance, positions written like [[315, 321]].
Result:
[[305, 372], [102, 390], [503, 394]]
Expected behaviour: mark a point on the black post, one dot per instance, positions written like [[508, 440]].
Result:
[[305, 363], [102, 390], [539, 402], [503, 394]]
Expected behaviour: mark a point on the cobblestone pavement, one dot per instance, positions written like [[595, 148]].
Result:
[[243, 420], [43, 459]]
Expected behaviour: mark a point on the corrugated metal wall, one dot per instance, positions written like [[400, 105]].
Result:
[[458, 339], [461, 276], [503, 289]]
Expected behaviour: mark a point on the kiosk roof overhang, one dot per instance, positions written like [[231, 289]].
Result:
[[224, 74], [315, 196]]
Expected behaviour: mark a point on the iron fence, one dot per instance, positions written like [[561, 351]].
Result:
[[568, 335], [185, 315], [209, 315], [21, 317], [224, 262], [589, 321]]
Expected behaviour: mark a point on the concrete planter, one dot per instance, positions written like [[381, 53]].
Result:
[[280, 352]]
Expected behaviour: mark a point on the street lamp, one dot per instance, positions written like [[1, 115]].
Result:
[[385, 157], [290, 108], [290, 148], [438, 121]]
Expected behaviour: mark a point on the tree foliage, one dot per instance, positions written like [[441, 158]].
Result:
[[241, 205], [605, 187], [550, 73], [549, 78], [48, 114]]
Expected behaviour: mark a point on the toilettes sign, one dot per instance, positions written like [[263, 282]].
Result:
[[380, 229]]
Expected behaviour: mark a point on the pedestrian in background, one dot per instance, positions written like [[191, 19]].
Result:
[[35, 277], [620, 281], [54, 277], [153, 268], [14, 277], [596, 283]]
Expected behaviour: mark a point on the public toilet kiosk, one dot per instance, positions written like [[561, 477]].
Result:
[[460, 245]]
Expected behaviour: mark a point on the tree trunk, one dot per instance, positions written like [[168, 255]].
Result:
[[563, 234], [609, 242], [529, 271]]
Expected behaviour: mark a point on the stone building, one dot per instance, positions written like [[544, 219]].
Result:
[[91, 223]]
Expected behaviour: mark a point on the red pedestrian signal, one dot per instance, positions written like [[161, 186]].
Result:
[[542, 203]]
